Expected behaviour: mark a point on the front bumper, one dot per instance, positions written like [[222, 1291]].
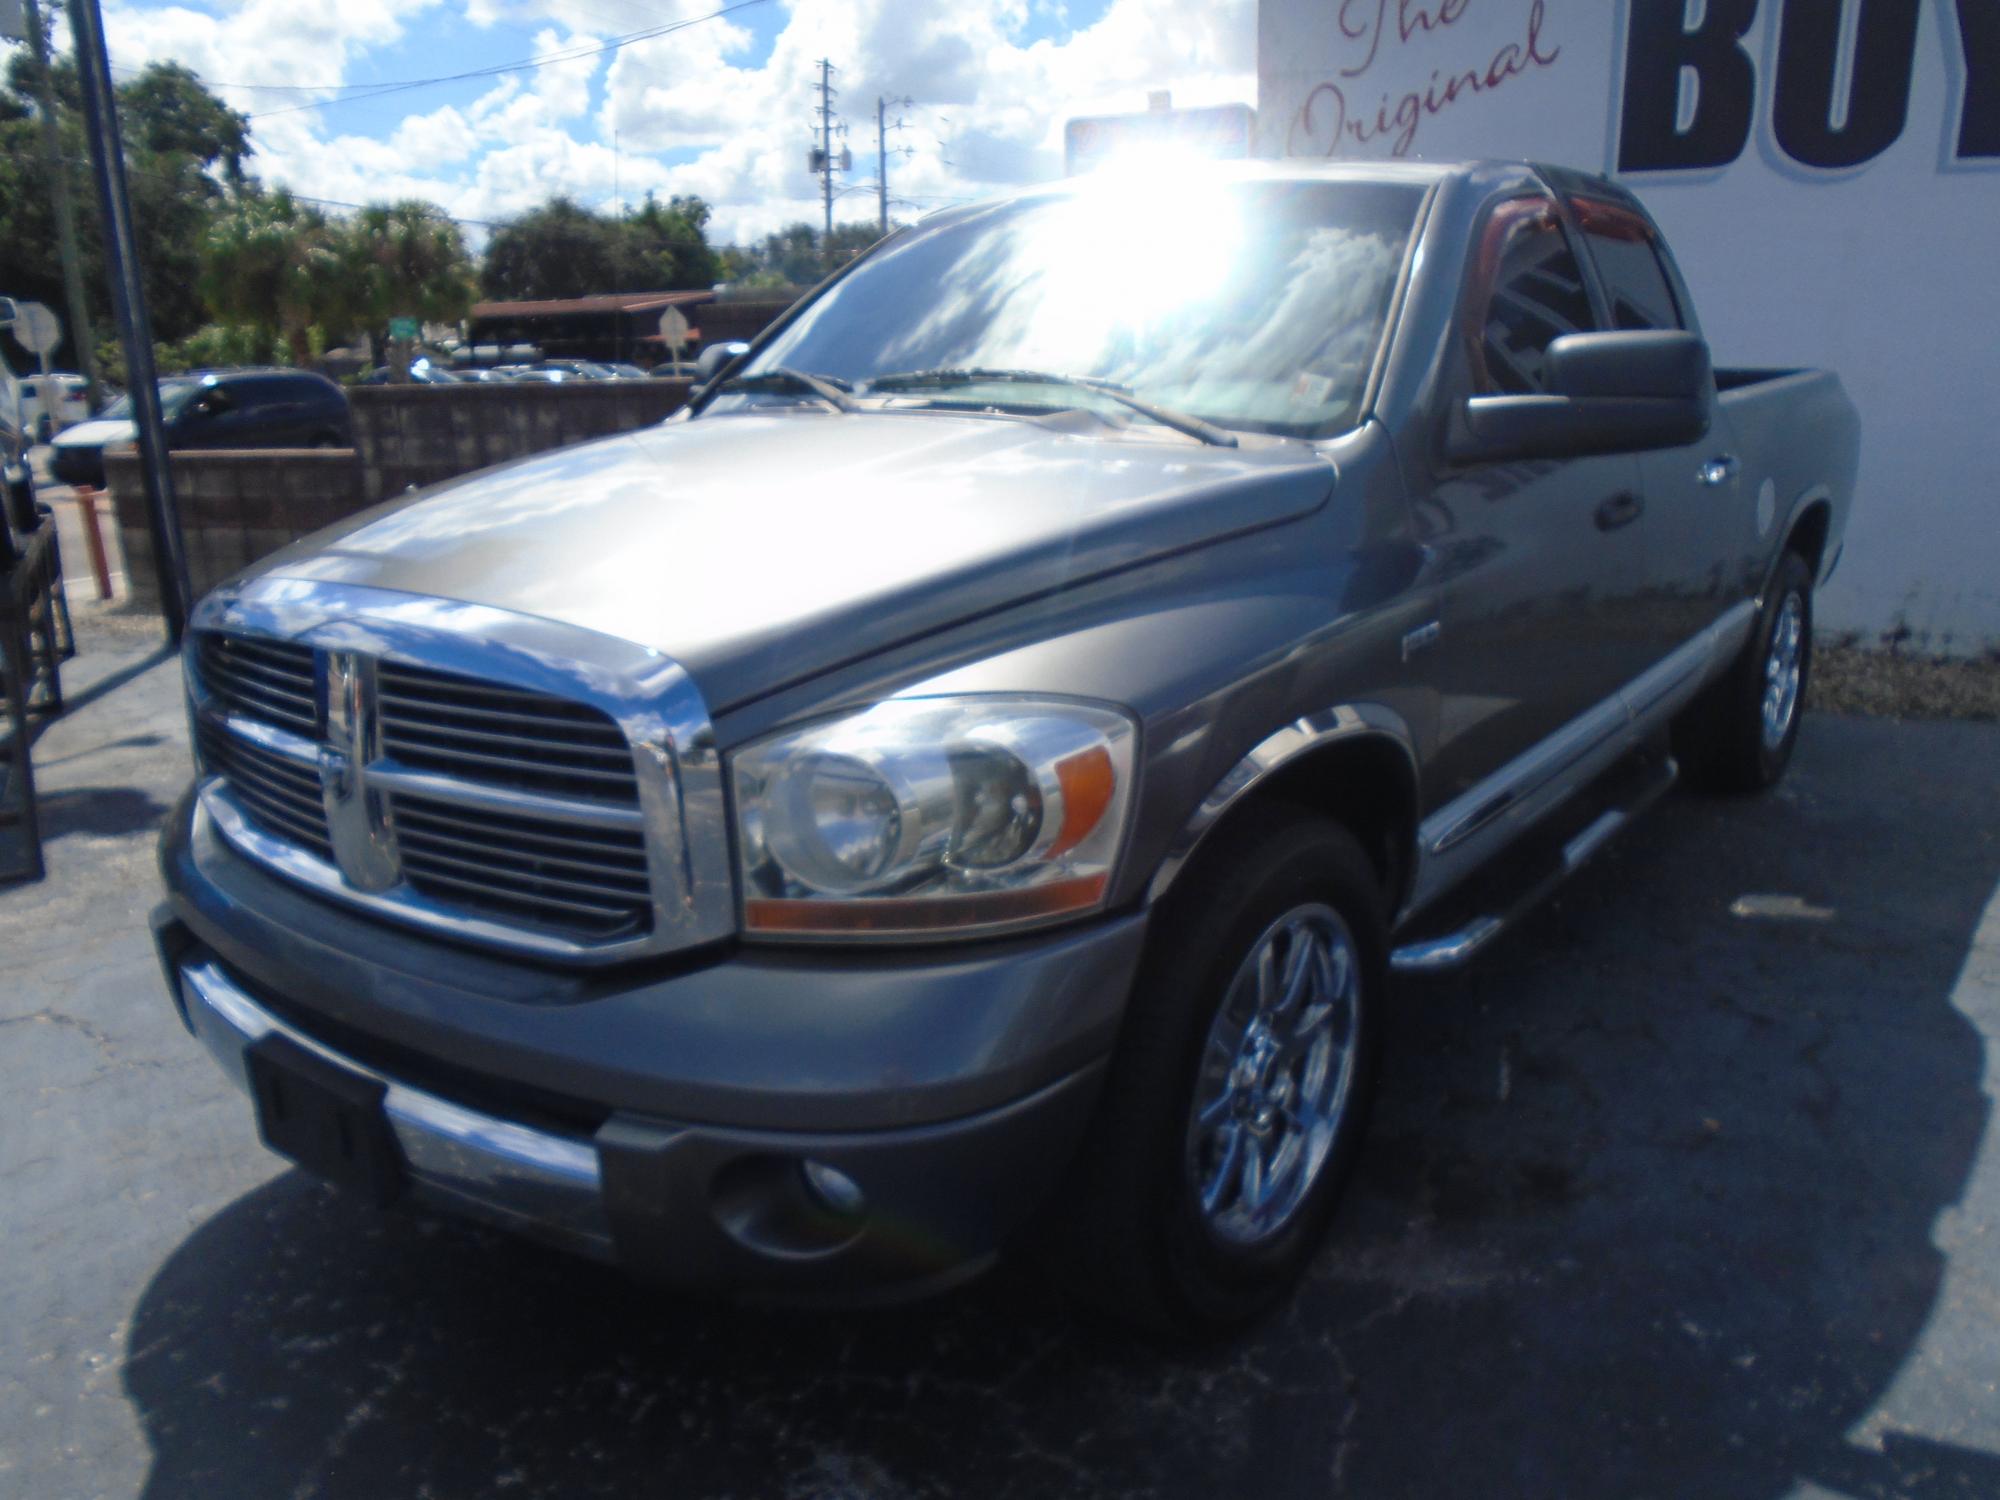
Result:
[[664, 1118]]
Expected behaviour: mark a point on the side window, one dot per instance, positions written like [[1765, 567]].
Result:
[[1528, 292], [1621, 242]]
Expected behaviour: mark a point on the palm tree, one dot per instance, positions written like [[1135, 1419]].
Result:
[[407, 260], [265, 262]]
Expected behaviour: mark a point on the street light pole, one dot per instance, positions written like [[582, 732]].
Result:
[[128, 298]]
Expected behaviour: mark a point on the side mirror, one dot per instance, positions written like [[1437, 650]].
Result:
[[1607, 393], [716, 358]]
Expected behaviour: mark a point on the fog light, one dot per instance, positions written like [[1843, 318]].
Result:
[[837, 1193]]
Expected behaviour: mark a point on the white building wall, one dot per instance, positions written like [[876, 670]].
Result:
[[1887, 270]]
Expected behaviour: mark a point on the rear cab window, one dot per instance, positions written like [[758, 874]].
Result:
[[1626, 252]]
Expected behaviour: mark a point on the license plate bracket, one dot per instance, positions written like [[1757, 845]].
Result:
[[325, 1119]]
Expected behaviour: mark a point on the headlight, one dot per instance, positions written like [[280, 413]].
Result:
[[932, 816]]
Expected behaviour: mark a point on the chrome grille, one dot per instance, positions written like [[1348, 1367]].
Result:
[[261, 679], [281, 795], [589, 880], [503, 736], [467, 804]]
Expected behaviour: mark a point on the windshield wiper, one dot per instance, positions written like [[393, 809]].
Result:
[[913, 380], [829, 388]]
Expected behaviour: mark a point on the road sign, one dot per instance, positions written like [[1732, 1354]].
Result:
[[674, 330], [13, 21], [36, 328], [404, 328]]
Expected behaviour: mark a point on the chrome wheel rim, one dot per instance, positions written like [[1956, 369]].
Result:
[[1781, 671], [1276, 1074]]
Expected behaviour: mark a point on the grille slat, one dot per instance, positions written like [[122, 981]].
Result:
[[271, 681], [443, 847], [525, 877], [270, 789], [526, 899], [525, 866], [557, 750], [441, 721], [609, 734], [508, 770], [499, 831]]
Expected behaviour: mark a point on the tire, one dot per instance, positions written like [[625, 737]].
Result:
[[1739, 735], [1155, 1226]]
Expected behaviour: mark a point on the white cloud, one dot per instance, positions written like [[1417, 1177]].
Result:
[[992, 103]]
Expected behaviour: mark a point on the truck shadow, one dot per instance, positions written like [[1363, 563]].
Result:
[[1648, 1210]]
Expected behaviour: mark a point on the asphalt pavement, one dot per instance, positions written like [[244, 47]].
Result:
[[1688, 1188]]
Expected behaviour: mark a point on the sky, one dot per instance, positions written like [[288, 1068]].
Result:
[[722, 106]]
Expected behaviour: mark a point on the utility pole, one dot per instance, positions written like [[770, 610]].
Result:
[[82, 342], [882, 128], [128, 297], [826, 156]]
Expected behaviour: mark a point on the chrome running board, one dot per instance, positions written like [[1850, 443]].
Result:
[[1453, 948]]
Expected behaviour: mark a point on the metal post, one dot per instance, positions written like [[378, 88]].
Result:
[[882, 164], [826, 155], [128, 297], [81, 339]]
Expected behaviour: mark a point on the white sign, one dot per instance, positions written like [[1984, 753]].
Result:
[[674, 330], [13, 21], [35, 328], [1828, 174]]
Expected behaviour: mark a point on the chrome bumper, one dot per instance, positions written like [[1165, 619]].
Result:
[[533, 1182]]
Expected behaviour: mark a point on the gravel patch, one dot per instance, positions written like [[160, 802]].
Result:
[[1899, 685]]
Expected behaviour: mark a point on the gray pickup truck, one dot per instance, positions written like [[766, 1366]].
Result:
[[969, 780]]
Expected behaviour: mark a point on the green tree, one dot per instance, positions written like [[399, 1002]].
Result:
[[178, 139], [795, 255], [664, 246], [399, 260], [558, 249], [562, 249], [274, 264]]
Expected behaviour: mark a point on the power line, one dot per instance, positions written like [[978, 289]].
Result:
[[380, 90]]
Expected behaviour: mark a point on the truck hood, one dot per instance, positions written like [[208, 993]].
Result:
[[759, 549]]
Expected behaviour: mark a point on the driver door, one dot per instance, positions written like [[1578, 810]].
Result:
[[1541, 563]]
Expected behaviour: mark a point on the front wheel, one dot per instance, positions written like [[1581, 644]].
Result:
[[1237, 1099]]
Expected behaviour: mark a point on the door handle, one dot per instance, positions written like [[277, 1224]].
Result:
[[1719, 470], [1621, 509]]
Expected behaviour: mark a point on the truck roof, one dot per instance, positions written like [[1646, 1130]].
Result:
[[1184, 175]]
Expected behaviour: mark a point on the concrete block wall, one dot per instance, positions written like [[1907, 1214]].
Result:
[[235, 507], [414, 435]]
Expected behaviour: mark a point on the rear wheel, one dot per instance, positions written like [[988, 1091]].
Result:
[[1740, 734], [1237, 1099]]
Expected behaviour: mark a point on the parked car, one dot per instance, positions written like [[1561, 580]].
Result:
[[422, 372], [216, 409], [69, 403], [968, 780]]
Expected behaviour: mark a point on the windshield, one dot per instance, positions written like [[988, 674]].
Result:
[[174, 395], [1256, 306]]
